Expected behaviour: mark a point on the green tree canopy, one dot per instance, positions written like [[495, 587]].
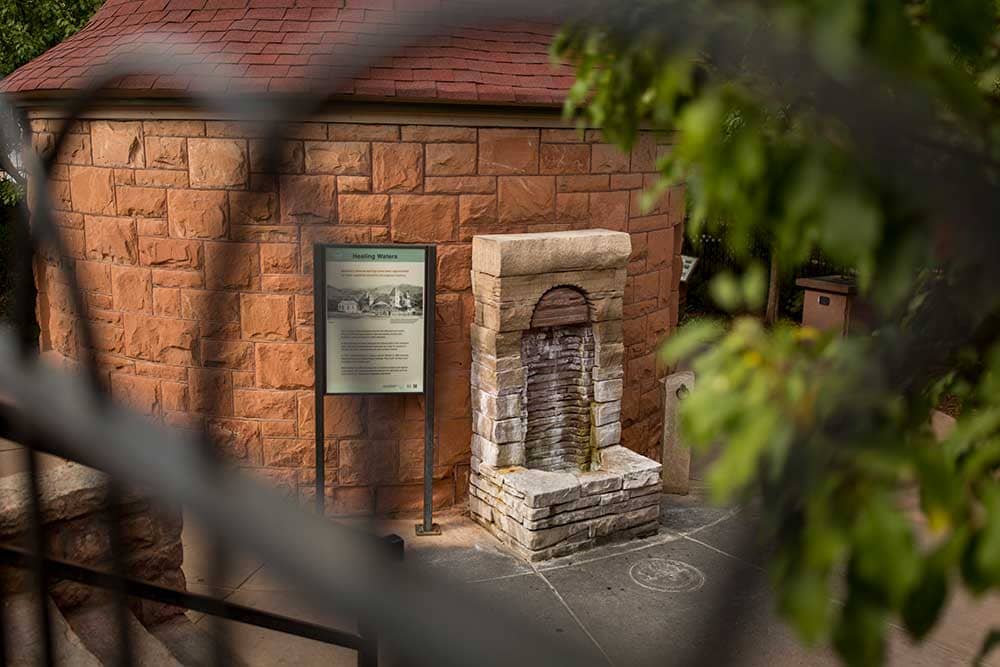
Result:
[[866, 129], [30, 27]]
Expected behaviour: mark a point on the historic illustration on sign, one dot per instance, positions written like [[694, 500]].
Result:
[[378, 302]]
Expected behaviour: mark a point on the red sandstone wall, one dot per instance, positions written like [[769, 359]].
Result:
[[194, 283]]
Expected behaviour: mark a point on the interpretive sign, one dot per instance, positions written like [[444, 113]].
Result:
[[374, 308], [375, 319], [687, 267]]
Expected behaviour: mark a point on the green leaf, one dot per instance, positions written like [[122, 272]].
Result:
[[990, 644], [726, 291], [689, 339], [860, 633], [924, 603]]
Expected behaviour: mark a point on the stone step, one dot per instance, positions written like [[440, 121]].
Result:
[[97, 626], [23, 635], [190, 645]]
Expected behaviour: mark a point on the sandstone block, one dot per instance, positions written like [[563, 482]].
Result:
[[367, 461], [460, 185], [454, 267], [610, 209], [354, 184], [424, 219], [528, 199], [565, 159], [266, 317], [131, 288], [210, 391], [218, 163], [279, 258], [363, 132], [433, 133], [573, 208], [92, 190], [258, 404], [174, 128], [363, 209], [227, 354], [117, 143], [308, 199], [138, 393], [288, 452], [232, 266], [397, 167], [236, 439], [111, 239], [142, 202], [508, 151], [206, 306], [197, 215], [477, 210], [166, 152], [451, 159], [284, 366], [347, 158], [253, 208], [608, 158], [531, 254], [171, 253], [290, 157], [159, 339]]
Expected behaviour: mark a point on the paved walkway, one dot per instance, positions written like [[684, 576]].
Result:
[[642, 603]]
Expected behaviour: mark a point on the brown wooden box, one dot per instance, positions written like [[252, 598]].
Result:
[[827, 302]]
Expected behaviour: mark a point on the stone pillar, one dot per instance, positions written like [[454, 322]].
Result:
[[676, 458]]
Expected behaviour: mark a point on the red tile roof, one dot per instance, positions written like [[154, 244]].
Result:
[[279, 45]]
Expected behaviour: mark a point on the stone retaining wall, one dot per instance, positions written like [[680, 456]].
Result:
[[74, 514], [195, 283]]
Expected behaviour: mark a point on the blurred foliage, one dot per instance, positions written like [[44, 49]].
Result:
[[809, 422]]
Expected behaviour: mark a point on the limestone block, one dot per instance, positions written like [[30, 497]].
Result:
[[605, 413], [675, 456], [610, 356], [541, 539], [500, 383], [598, 482], [606, 308], [636, 470], [609, 333], [608, 390], [616, 372], [528, 254], [543, 488], [494, 343], [497, 407], [501, 432], [608, 435]]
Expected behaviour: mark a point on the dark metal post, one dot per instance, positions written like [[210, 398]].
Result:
[[319, 361], [430, 294]]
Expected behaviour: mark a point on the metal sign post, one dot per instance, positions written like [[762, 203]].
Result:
[[375, 304]]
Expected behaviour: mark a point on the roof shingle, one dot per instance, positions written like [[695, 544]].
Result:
[[283, 45]]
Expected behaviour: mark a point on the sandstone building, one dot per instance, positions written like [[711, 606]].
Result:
[[197, 265]]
